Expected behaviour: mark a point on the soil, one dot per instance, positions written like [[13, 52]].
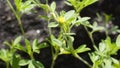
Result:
[[35, 27]]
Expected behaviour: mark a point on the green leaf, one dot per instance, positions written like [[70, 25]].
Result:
[[28, 46], [69, 33], [115, 61], [63, 51], [94, 57], [81, 49], [35, 42], [118, 41], [108, 63], [5, 55], [18, 4], [20, 47], [83, 21], [17, 40], [95, 27], [35, 64], [55, 42], [43, 45], [69, 14], [44, 17], [102, 47], [7, 43], [53, 24], [53, 6], [35, 46], [24, 62], [15, 61], [89, 2], [27, 6], [68, 3], [45, 7], [38, 64], [31, 65]]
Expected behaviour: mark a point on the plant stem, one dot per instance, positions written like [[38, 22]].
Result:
[[17, 16], [90, 36], [54, 57], [53, 60], [32, 57], [21, 27], [52, 64], [84, 61], [7, 64]]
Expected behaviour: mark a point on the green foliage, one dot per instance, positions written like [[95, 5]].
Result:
[[5, 55], [31, 63], [24, 7], [63, 42], [81, 49], [102, 58], [80, 4], [10, 56], [15, 61]]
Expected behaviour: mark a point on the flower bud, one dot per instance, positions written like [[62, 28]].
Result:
[[61, 19]]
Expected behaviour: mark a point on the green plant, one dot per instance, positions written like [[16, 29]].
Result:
[[21, 8], [30, 49], [102, 57], [62, 43], [10, 56]]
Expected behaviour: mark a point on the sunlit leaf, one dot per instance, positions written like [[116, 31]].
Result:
[[53, 24], [118, 41], [24, 62], [15, 61], [31, 65], [38, 64], [69, 14], [20, 47], [17, 40], [81, 49], [53, 6], [28, 46]]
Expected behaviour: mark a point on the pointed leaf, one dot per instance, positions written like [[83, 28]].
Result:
[[20, 47], [17, 40], [15, 61], [7, 43], [89, 2], [31, 65], [35, 46], [53, 6], [38, 64], [28, 46], [118, 41], [24, 62], [81, 49], [43, 17], [69, 14], [52, 24]]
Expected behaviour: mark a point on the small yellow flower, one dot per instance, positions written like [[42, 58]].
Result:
[[61, 19]]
